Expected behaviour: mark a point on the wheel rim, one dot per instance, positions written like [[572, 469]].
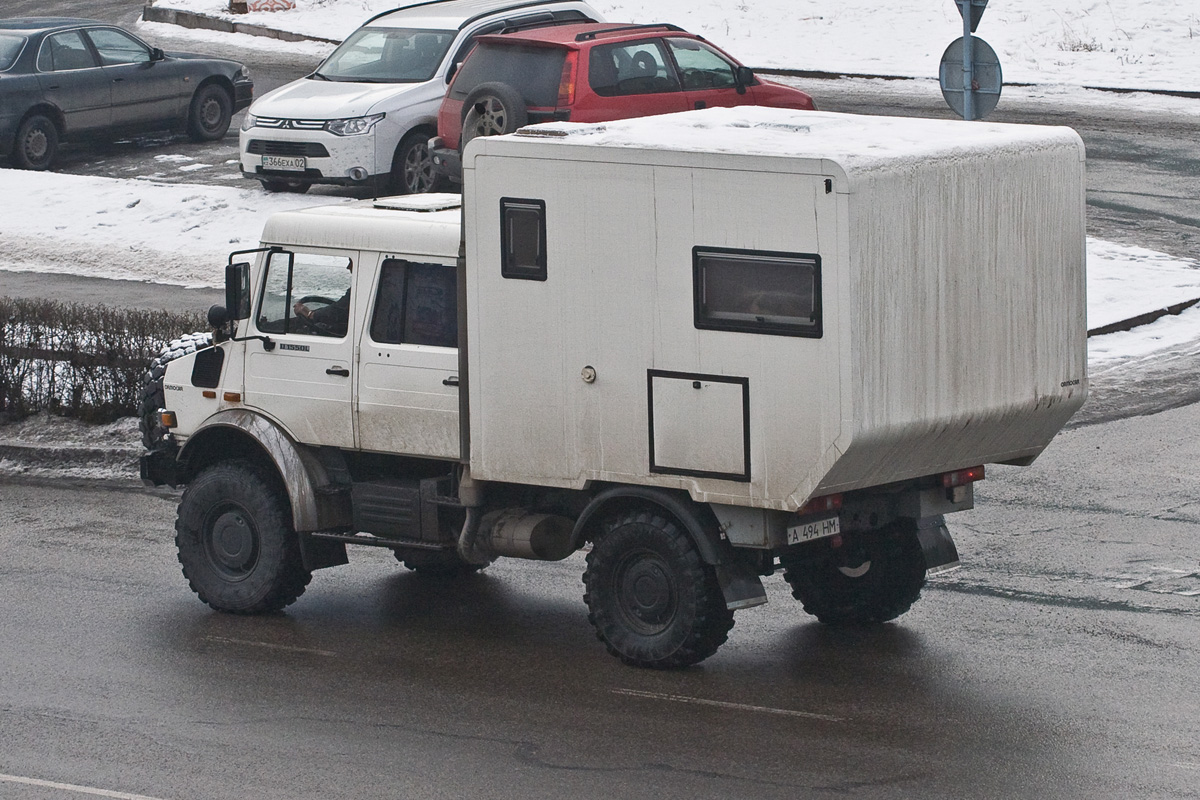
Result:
[[231, 543], [646, 593], [491, 117], [418, 169], [210, 114], [36, 144]]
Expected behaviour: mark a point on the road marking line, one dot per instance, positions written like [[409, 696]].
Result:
[[269, 646], [677, 698], [70, 787]]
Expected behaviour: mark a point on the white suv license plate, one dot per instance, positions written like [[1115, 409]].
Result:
[[818, 529], [298, 163]]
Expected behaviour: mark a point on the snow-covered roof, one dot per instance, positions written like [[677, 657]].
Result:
[[853, 141]]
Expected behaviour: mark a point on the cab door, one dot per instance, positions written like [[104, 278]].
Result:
[[408, 360], [302, 379], [144, 91]]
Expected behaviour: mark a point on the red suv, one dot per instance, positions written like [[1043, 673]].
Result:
[[591, 72]]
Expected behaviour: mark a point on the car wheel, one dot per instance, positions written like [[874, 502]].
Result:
[[651, 598], [412, 166], [211, 110], [492, 109], [36, 143], [286, 185]]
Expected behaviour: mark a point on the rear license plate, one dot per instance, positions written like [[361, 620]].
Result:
[[818, 529], [297, 163]]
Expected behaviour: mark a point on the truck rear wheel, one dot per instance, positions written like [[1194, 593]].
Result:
[[150, 398], [236, 543], [871, 578], [652, 600]]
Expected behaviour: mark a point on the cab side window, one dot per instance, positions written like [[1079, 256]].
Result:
[[321, 283], [417, 303], [65, 51]]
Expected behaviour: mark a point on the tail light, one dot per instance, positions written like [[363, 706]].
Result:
[[830, 502], [566, 83], [962, 477]]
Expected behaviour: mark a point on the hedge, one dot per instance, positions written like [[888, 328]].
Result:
[[79, 360]]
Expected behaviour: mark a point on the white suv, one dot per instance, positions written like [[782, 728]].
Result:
[[366, 114]]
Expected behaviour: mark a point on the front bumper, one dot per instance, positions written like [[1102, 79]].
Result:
[[160, 467], [329, 159], [243, 95]]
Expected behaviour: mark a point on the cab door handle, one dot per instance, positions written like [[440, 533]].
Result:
[[451, 381], [345, 373]]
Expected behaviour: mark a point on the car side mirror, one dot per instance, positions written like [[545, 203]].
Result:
[[452, 71], [156, 54], [237, 292], [743, 77]]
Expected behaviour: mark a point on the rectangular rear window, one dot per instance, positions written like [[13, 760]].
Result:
[[757, 291], [535, 72], [523, 238]]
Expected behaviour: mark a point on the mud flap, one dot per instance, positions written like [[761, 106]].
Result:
[[940, 553], [319, 553], [740, 585]]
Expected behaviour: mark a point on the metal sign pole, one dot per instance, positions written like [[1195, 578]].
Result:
[[968, 62]]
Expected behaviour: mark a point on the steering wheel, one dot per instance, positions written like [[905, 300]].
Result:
[[318, 299]]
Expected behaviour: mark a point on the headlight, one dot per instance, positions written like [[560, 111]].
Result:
[[354, 126], [249, 122], [243, 74]]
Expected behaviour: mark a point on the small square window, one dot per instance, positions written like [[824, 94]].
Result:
[[757, 292], [523, 239]]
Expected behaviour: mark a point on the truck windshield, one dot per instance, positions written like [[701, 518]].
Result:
[[387, 55], [10, 48]]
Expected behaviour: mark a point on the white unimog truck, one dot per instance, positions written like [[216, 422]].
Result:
[[708, 346]]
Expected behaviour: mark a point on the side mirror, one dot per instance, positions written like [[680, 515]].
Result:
[[156, 54], [743, 77], [237, 292]]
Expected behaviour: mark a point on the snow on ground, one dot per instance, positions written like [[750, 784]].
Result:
[[134, 229], [1132, 44]]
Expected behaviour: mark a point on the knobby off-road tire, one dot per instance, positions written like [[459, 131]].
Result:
[[209, 114], [236, 543], [151, 399], [872, 578], [651, 598]]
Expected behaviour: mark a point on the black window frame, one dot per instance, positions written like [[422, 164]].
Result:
[[812, 330], [507, 269]]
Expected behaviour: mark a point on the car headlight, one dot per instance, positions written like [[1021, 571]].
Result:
[[249, 122], [243, 74], [352, 126]]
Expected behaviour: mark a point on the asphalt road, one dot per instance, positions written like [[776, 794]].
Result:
[[1059, 662]]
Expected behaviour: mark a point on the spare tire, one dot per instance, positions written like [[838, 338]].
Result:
[[151, 399], [492, 109]]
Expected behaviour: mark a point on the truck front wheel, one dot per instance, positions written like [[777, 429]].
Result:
[[874, 577], [652, 600], [235, 543]]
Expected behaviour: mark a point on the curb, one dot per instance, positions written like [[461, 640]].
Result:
[[73, 456], [1143, 319], [190, 19]]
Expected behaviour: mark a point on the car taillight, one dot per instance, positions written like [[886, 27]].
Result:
[[962, 477], [830, 502], [566, 84]]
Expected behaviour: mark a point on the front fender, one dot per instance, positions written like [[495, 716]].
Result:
[[303, 476]]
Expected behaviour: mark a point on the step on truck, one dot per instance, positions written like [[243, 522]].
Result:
[[703, 348]]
